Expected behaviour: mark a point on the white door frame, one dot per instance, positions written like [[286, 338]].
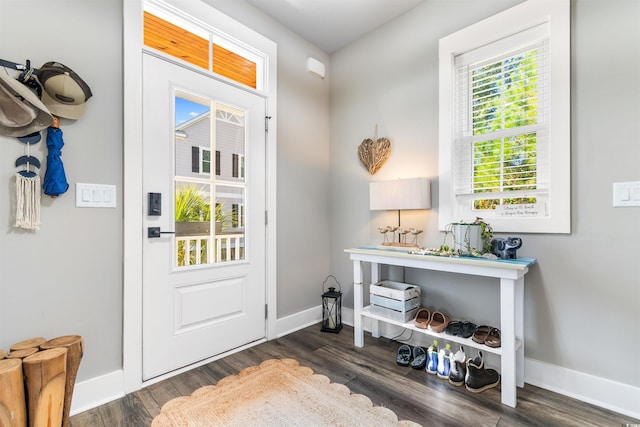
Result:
[[132, 189]]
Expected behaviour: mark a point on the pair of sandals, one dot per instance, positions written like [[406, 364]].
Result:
[[460, 328], [436, 322], [487, 335], [415, 357]]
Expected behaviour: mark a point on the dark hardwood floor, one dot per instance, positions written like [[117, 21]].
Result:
[[372, 370]]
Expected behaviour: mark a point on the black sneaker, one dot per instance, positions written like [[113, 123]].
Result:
[[479, 378]]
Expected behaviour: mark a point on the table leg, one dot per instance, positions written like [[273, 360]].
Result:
[[375, 278], [508, 332], [519, 325], [358, 332]]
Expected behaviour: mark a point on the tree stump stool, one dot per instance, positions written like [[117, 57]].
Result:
[[21, 354], [13, 411], [30, 343], [75, 349], [45, 375], [3, 354]]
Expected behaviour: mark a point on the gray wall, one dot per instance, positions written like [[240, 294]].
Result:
[[581, 299], [66, 278]]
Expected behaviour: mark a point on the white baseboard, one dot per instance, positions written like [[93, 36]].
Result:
[[97, 391], [300, 320], [602, 392], [612, 395], [598, 391]]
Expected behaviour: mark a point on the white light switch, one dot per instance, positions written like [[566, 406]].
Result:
[[626, 194], [95, 195]]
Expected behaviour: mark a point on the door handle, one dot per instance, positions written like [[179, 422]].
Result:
[[154, 232]]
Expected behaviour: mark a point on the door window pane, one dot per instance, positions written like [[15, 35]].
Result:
[[205, 235]]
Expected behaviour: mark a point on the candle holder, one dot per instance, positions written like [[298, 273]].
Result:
[[331, 306]]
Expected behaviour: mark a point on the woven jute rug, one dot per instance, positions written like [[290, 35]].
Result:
[[275, 393]]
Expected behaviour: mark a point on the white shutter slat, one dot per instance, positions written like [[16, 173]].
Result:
[[501, 109]]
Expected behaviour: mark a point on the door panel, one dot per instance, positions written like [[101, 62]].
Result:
[[204, 280]]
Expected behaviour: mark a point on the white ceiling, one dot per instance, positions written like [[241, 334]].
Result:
[[332, 24]]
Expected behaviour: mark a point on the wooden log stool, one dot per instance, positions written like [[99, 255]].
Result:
[[3, 354], [21, 354], [45, 374], [30, 343], [13, 410], [75, 349]]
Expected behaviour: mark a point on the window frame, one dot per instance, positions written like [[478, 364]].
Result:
[[513, 21]]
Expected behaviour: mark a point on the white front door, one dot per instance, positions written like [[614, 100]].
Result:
[[204, 277]]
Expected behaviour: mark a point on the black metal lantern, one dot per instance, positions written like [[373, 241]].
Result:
[[331, 307]]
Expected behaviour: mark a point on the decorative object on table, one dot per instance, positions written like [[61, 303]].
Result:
[[506, 248], [472, 237], [374, 152], [55, 180], [331, 306], [400, 194], [415, 232], [384, 231], [469, 239]]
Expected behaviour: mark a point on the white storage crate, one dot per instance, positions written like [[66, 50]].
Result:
[[399, 316], [395, 290], [394, 304], [394, 300]]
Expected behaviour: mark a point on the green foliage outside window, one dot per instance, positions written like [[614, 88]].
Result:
[[505, 97], [193, 206]]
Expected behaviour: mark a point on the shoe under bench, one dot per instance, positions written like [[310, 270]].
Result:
[[510, 275]]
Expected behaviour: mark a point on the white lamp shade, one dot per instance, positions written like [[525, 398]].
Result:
[[401, 194]]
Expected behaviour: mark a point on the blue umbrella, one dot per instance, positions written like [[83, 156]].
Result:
[[55, 181]]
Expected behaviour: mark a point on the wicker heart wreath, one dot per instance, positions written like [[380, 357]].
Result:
[[373, 154]]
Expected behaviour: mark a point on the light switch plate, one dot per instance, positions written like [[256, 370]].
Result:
[[95, 195], [626, 194]]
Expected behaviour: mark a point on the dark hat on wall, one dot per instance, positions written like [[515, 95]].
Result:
[[65, 94], [21, 112]]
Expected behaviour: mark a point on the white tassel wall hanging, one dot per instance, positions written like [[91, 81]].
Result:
[[28, 201], [27, 186]]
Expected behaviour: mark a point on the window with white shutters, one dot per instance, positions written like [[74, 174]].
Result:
[[504, 117]]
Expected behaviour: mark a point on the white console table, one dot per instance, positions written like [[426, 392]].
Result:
[[511, 278]]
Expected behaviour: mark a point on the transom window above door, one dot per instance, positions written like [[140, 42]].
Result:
[[200, 46]]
